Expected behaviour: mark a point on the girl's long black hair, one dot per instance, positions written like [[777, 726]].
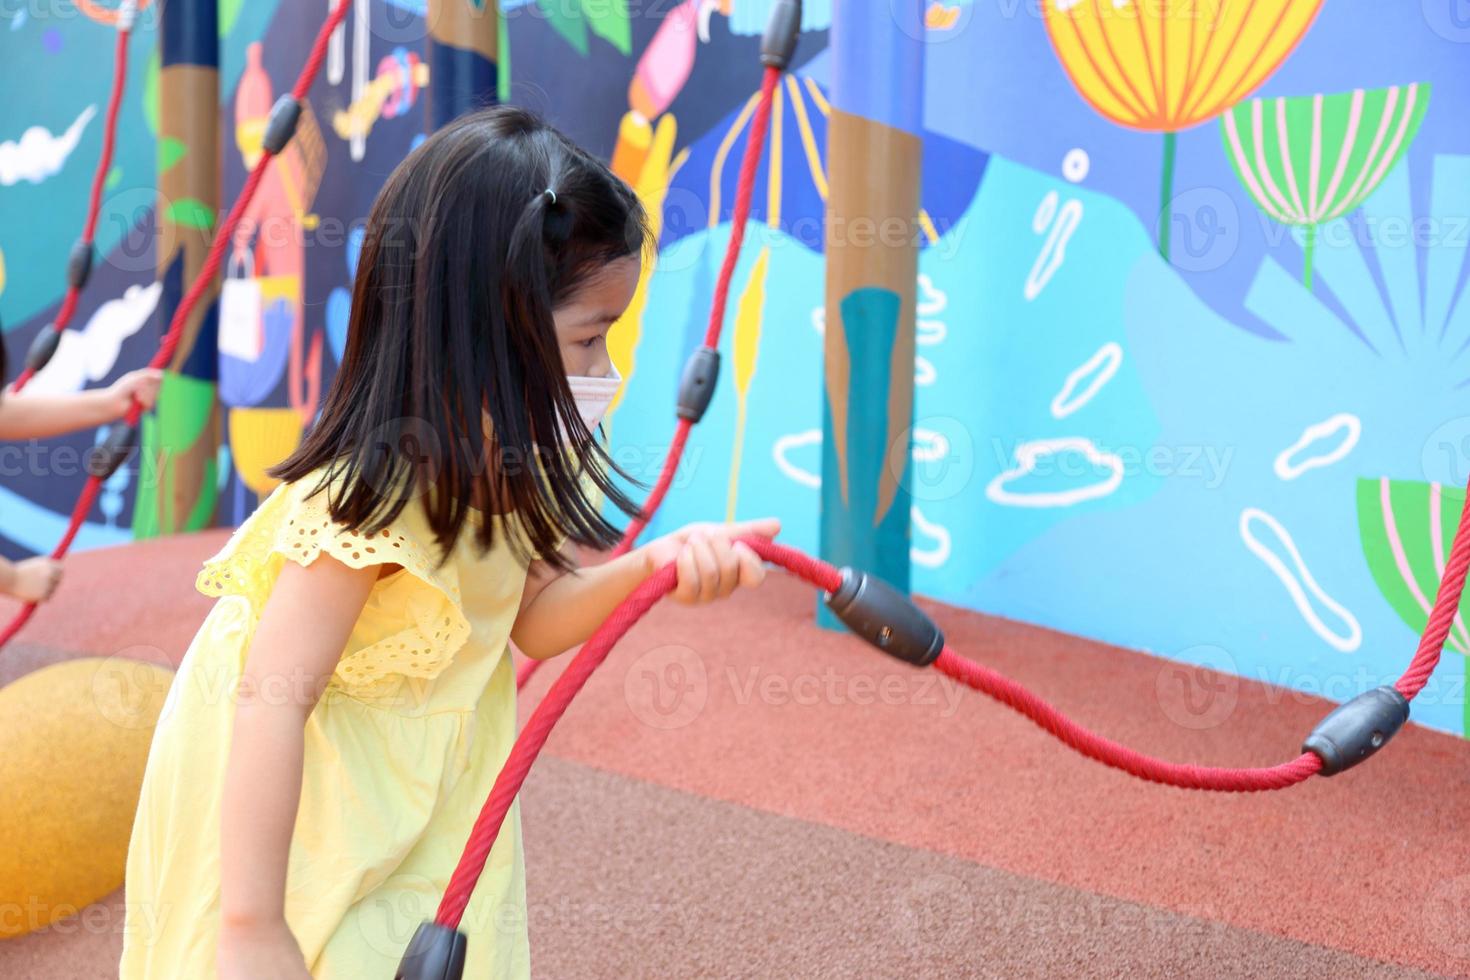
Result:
[[464, 258]]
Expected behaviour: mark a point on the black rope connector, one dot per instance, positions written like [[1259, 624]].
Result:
[[104, 458], [779, 40], [285, 114], [697, 384], [79, 264], [886, 618], [435, 952], [1358, 728], [43, 348]]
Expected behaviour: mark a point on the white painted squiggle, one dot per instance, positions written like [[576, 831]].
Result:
[[90, 354], [929, 446], [1054, 251], [1029, 454], [936, 555], [1351, 427], [784, 444], [924, 373], [1300, 582], [38, 153], [335, 59], [361, 14], [1101, 366]]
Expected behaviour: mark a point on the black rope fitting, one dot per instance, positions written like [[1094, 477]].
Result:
[[886, 618], [104, 458], [697, 384], [1358, 728], [779, 40], [79, 264], [43, 348], [435, 952], [285, 114]]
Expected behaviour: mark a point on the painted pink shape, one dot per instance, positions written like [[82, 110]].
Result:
[[669, 57]]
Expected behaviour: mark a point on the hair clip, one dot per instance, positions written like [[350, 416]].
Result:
[[551, 194]]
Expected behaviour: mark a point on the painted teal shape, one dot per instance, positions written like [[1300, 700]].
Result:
[[852, 531]]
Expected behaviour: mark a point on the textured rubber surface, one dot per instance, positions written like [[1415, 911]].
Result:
[[799, 832]]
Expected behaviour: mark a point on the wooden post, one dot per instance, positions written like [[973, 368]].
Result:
[[873, 157], [463, 57], [178, 485]]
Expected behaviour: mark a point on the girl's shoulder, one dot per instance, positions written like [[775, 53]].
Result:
[[294, 523]]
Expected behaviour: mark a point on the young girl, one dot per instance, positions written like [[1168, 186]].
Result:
[[32, 416], [344, 710]]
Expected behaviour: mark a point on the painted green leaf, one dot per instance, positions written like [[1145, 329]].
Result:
[[191, 213], [1406, 528], [170, 152], [609, 19], [185, 408], [1307, 160], [567, 20], [114, 177], [150, 93], [229, 11]]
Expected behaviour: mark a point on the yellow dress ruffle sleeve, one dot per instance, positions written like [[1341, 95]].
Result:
[[400, 752]]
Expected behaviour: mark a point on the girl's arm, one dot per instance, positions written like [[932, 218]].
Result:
[[302, 631], [559, 611], [26, 416]]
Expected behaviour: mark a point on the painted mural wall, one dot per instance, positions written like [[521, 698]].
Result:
[[1193, 349]]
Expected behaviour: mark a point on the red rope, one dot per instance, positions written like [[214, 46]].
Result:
[[744, 190], [1008, 692], [169, 343], [99, 179]]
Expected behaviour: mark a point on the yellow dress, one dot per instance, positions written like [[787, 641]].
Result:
[[401, 751]]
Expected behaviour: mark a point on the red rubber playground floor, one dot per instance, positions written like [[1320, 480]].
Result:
[[737, 793]]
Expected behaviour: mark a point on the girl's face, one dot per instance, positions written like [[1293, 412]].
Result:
[[583, 320]]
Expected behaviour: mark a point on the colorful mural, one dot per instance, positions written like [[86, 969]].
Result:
[[1210, 395]]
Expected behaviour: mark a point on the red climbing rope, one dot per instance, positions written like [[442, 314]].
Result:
[[1008, 692], [744, 190], [99, 179], [201, 285]]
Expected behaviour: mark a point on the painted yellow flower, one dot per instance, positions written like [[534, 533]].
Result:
[[1167, 65]]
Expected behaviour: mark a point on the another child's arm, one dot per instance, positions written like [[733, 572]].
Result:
[[302, 631], [559, 611], [31, 579], [26, 416]]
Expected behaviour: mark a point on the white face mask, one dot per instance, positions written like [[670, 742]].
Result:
[[594, 395]]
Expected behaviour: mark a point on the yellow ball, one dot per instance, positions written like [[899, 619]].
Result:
[[74, 739]]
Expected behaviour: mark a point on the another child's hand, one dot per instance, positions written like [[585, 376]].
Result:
[[710, 562], [34, 579], [142, 385], [255, 952]]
